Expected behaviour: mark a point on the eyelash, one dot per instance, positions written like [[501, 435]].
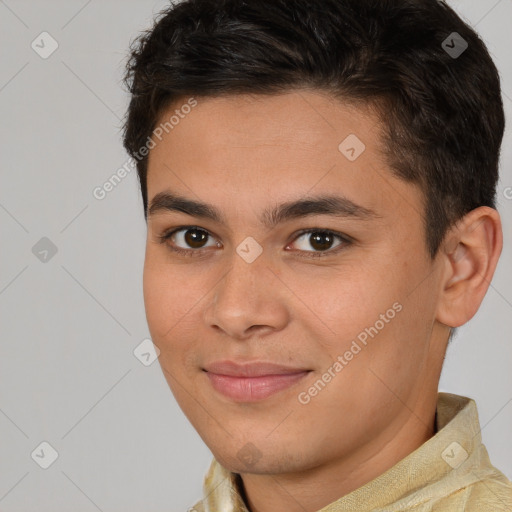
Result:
[[346, 241]]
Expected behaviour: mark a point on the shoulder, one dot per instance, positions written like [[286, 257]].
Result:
[[198, 507], [492, 494]]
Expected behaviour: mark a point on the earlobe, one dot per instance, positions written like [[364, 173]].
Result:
[[470, 252]]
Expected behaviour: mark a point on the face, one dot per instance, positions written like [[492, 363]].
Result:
[[287, 282]]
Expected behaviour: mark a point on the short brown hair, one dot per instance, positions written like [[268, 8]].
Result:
[[442, 113]]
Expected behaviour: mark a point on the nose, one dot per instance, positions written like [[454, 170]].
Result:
[[248, 299]]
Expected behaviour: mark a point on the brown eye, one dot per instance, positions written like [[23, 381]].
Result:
[[189, 239], [320, 241], [195, 238], [317, 243]]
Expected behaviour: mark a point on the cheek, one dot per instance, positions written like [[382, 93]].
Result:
[[173, 297], [170, 290], [157, 299], [169, 310], [369, 313], [167, 294], [341, 303]]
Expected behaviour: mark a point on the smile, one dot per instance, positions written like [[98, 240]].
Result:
[[252, 389]]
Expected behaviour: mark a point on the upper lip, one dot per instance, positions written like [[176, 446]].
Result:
[[252, 369]]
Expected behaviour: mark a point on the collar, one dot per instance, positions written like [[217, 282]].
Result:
[[450, 460]]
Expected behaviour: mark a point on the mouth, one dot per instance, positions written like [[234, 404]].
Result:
[[252, 382]]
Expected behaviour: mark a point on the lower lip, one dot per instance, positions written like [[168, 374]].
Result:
[[252, 389]]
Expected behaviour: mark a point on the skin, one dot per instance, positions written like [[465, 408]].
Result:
[[244, 154]]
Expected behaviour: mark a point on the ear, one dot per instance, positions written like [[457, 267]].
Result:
[[470, 252]]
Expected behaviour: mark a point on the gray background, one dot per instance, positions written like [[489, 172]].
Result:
[[69, 325]]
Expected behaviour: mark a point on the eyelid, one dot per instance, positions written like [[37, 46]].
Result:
[[345, 241], [168, 234]]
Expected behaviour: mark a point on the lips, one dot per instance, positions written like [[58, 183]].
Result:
[[255, 369], [254, 381]]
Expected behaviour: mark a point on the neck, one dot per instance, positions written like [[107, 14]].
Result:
[[315, 488]]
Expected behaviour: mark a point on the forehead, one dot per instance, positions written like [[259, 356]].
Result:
[[302, 119], [246, 150]]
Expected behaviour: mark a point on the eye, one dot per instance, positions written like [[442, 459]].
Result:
[[192, 240], [188, 240], [322, 241]]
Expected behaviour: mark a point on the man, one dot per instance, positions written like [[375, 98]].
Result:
[[318, 180]]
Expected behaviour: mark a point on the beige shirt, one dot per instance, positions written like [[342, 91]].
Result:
[[449, 472]]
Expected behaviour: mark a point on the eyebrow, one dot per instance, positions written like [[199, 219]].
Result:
[[337, 206]]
